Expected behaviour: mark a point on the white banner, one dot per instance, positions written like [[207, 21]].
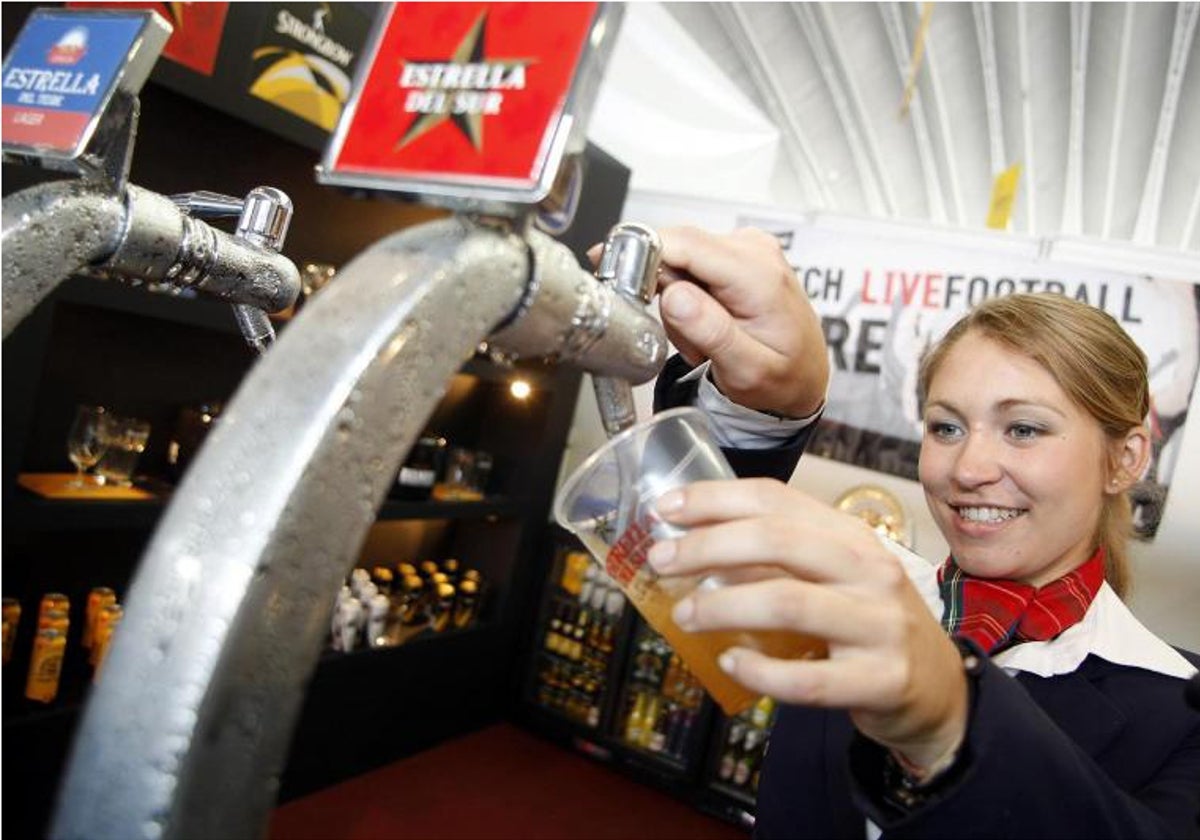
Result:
[[884, 299]]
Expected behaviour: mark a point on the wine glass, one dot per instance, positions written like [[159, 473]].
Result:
[[86, 441]]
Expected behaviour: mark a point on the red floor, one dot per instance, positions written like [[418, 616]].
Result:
[[501, 782]]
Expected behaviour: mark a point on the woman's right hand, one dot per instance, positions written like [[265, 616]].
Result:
[[890, 663]]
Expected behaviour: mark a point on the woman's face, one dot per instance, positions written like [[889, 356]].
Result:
[[1014, 472]]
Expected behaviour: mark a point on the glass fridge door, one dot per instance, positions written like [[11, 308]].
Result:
[[737, 749], [577, 636], [662, 710]]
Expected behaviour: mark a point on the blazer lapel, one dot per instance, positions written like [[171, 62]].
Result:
[[1078, 708]]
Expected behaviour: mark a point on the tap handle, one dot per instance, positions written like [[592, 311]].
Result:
[[630, 261], [203, 204], [263, 220], [265, 216]]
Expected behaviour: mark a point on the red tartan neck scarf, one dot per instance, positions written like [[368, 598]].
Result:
[[997, 613]]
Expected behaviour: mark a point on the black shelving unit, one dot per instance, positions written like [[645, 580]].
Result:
[[147, 354]]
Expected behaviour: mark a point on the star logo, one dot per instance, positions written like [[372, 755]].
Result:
[[462, 89]]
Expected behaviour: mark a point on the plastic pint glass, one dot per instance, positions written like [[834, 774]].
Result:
[[609, 504]]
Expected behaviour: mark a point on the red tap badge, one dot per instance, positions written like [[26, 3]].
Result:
[[461, 94]]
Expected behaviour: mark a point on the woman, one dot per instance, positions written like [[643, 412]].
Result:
[[1048, 710]]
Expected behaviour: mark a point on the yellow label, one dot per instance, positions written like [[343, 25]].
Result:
[[45, 668], [1004, 193]]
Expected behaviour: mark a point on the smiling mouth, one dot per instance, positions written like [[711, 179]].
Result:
[[986, 515]]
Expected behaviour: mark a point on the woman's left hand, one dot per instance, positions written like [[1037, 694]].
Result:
[[890, 663]]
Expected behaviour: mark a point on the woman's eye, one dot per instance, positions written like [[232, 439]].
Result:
[[1024, 431], [942, 429]]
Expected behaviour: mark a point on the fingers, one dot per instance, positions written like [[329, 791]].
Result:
[[701, 328], [787, 604], [858, 682], [809, 551], [722, 262], [731, 524]]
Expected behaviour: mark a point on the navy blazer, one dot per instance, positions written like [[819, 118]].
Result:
[[1105, 751]]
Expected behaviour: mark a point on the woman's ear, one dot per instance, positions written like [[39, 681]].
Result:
[[1132, 456]]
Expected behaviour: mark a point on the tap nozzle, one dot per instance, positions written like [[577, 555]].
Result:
[[629, 263]]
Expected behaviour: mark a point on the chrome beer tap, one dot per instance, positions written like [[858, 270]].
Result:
[[629, 264], [263, 219], [99, 224]]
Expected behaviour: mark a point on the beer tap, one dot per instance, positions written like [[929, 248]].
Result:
[[101, 225], [629, 264], [263, 219]]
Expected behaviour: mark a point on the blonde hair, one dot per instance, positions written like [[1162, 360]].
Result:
[[1091, 358]]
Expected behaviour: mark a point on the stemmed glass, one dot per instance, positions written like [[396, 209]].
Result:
[[86, 441]]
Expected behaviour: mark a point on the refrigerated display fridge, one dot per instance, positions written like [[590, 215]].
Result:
[[601, 681]]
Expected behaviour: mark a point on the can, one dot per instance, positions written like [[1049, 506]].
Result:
[[54, 601], [45, 668], [54, 620], [99, 598], [107, 620]]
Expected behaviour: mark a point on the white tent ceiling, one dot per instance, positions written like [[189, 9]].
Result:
[[798, 105]]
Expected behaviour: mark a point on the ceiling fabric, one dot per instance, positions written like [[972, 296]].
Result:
[[911, 111]]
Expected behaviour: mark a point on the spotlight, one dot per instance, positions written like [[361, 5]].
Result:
[[520, 389]]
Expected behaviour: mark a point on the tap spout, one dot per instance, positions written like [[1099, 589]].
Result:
[[567, 316]]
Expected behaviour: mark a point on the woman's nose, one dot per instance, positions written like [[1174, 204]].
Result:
[[978, 461]]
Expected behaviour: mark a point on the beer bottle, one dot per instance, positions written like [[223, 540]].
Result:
[[45, 668], [451, 568], [653, 708], [578, 634], [404, 570], [748, 760], [54, 620], [411, 610], [12, 619], [383, 578], [421, 468], [464, 607], [377, 616], [443, 607], [761, 712], [428, 569], [106, 625], [731, 753], [634, 722], [657, 741], [98, 598]]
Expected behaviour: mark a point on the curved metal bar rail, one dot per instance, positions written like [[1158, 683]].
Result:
[[186, 733]]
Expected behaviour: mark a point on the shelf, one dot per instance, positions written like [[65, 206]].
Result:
[[736, 794], [330, 657], [35, 513]]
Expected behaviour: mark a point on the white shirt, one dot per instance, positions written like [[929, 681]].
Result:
[[738, 427]]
